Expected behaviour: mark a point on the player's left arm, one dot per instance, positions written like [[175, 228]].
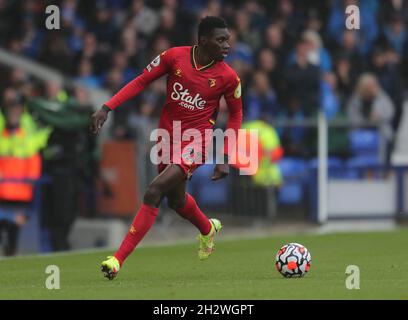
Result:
[[234, 104]]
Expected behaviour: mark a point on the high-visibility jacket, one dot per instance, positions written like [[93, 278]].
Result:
[[269, 153], [20, 158]]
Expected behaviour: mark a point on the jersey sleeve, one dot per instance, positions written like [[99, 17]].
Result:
[[160, 66], [234, 104]]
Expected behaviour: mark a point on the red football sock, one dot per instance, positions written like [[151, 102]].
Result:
[[143, 221], [192, 212]]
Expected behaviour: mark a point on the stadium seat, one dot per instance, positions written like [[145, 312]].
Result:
[[207, 192], [293, 167], [294, 173], [337, 169], [363, 161], [364, 142], [358, 165], [291, 193], [212, 193]]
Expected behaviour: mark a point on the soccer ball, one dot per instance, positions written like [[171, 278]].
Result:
[[293, 260]]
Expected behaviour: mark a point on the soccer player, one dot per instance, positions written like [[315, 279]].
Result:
[[197, 78]]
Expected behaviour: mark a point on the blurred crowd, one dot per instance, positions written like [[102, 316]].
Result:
[[293, 56]]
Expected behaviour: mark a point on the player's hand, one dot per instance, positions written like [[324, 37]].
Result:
[[220, 171], [98, 119]]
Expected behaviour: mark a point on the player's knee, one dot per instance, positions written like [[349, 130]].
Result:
[[152, 196], [175, 203]]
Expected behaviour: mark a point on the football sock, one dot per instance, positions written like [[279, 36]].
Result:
[[142, 223], [192, 212]]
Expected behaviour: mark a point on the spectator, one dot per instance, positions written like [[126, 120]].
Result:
[[261, 101], [329, 100], [303, 80], [396, 34], [168, 27], [368, 31], [121, 62], [345, 78], [240, 56], [390, 8], [313, 22], [338, 144], [87, 149], [318, 55], [103, 25], [274, 41], [242, 25], [86, 76], [289, 19], [258, 15], [268, 63], [144, 18], [91, 52], [53, 91], [131, 45], [20, 166], [371, 103], [55, 52], [385, 67], [64, 160]]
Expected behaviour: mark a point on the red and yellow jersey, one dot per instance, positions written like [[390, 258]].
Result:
[[193, 92]]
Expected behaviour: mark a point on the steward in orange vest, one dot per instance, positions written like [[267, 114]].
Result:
[[20, 165]]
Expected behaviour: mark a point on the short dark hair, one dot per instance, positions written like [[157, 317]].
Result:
[[208, 24]]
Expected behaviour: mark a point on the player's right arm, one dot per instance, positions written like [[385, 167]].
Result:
[[154, 70]]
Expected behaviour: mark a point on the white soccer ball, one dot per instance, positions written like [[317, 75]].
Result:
[[293, 260]]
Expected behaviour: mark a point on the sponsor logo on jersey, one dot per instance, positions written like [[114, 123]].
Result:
[[186, 99], [212, 82]]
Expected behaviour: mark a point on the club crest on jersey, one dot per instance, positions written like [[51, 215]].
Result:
[[178, 72], [186, 99], [212, 82]]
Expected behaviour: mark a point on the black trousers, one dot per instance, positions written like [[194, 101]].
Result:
[[59, 208], [9, 232]]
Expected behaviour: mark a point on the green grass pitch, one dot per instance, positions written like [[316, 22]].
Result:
[[238, 269]]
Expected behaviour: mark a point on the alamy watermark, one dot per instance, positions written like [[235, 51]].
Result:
[[53, 280], [353, 17], [53, 20], [353, 277], [193, 146]]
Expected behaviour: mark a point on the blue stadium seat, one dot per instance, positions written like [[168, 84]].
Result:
[[363, 161], [294, 173], [208, 193], [337, 169], [292, 167], [212, 193], [291, 193], [357, 165], [364, 142]]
